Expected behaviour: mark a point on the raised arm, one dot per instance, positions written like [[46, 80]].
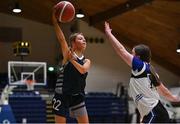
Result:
[[119, 48], [60, 36]]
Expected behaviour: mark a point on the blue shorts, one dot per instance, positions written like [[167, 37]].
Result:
[[69, 104]]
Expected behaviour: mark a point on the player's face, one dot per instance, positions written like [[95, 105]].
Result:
[[80, 42]]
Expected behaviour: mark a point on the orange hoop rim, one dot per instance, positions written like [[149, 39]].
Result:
[[30, 82]]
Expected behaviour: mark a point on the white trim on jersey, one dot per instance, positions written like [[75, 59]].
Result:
[[136, 73], [78, 56]]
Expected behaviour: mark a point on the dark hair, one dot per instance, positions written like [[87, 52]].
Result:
[[72, 38], [144, 52]]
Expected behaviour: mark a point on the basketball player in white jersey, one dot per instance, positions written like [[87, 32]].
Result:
[[145, 85]]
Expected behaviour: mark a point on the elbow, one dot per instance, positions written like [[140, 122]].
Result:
[[83, 71], [163, 94]]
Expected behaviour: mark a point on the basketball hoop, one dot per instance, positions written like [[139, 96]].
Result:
[[20, 71], [30, 84]]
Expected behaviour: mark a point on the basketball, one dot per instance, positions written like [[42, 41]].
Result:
[[65, 11]]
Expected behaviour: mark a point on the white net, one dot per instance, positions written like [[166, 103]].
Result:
[[30, 84]]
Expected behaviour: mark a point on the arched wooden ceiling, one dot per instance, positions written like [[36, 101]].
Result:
[[152, 22]]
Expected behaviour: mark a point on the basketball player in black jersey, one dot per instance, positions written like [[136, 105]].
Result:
[[71, 80]]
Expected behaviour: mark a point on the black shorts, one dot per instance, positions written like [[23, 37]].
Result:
[[157, 115], [69, 104]]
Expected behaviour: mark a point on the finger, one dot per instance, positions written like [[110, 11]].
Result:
[[69, 52], [70, 48], [54, 9], [55, 6], [107, 24]]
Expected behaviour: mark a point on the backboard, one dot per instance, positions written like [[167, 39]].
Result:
[[20, 71]]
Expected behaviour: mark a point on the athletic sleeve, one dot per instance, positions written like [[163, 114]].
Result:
[[137, 64], [154, 77]]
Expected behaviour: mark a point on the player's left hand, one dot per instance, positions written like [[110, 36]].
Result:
[[71, 56], [177, 99], [107, 27]]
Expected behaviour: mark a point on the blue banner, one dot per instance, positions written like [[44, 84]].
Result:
[[6, 115]]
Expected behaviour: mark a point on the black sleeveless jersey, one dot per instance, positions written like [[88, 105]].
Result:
[[69, 80]]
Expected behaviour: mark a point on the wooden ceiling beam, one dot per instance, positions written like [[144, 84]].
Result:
[[117, 10]]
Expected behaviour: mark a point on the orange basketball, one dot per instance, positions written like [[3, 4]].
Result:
[[65, 11]]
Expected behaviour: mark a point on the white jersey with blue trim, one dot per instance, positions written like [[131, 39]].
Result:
[[143, 93]]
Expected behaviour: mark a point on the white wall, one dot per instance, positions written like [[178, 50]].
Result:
[[107, 68], [41, 36]]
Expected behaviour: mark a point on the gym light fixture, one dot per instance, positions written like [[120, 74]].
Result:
[[16, 8], [178, 48], [80, 14], [51, 68]]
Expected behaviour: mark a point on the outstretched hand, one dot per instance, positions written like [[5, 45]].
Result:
[[177, 99], [107, 27]]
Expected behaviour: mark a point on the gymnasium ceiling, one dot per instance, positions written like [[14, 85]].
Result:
[[152, 22]]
